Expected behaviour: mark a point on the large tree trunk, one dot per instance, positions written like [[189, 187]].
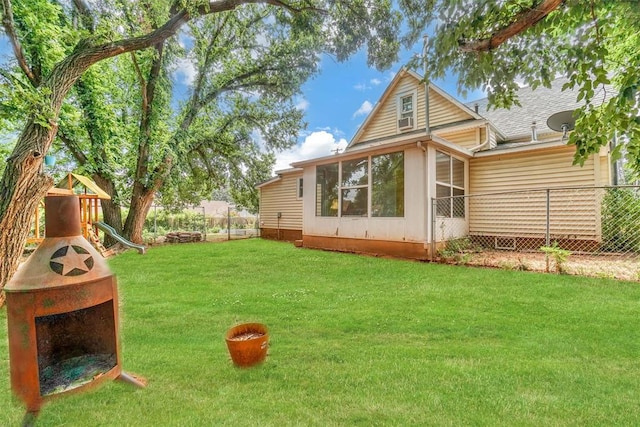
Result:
[[22, 185], [21, 189], [141, 202], [111, 212]]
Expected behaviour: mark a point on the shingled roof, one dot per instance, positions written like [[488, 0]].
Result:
[[536, 105]]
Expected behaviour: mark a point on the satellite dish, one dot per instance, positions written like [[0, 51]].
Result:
[[562, 122]]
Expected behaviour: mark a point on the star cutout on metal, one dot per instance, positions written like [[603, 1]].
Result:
[[71, 260]]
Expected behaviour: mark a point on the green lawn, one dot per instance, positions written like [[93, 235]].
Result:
[[358, 341]]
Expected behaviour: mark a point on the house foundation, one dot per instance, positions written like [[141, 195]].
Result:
[[280, 234], [410, 250]]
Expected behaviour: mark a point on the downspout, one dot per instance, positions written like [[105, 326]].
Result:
[[425, 48], [486, 141], [427, 129]]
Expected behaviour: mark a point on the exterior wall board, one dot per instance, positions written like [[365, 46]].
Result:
[[524, 214], [467, 138], [385, 123], [410, 228], [441, 111], [281, 196]]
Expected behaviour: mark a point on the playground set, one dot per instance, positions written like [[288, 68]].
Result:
[[89, 195]]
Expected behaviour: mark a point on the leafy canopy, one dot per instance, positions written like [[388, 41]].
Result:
[[592, 43]]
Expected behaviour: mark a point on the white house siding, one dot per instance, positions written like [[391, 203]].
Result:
[[466, 138], [385, 124], [575, 214], [386, 119], [443, 111], [410, 228], [281, 196]]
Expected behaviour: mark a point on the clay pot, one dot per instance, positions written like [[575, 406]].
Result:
[[247, 344]]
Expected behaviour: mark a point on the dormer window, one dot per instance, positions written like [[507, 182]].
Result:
[[406, 111]]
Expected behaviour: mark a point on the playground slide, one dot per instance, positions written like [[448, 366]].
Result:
[[112, 232]]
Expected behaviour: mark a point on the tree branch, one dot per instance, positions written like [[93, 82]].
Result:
[[521, 22], [85, 15], [73, 147], [67, 71], [9, 27]]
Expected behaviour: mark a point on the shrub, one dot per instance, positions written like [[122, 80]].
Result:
[[458, 250], [621, 220], [558, 254]]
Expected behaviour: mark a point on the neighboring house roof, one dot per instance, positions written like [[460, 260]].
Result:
[[217, 208], [536, 105]]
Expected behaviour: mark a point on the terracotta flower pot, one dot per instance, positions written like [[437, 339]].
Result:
[[247, 344]]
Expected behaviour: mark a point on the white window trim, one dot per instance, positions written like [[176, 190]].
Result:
[[299, 181], [451, 185], [414, 101], [368, 186]]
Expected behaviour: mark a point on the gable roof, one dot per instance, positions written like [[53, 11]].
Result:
[[404, 71], [278, 177], [536, 106]]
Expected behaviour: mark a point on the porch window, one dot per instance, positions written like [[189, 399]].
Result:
[[355, 187], [327, 190], [369, 186], [387, 185], [449, 184]]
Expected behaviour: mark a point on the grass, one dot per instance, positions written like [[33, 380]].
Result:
[[358, 341]]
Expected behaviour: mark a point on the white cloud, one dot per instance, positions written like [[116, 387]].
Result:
[[185, 72], [316, 144], [364, 109], [302, 104], [362, 87]]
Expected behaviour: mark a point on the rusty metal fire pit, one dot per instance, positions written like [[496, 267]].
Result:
[[62, 314]]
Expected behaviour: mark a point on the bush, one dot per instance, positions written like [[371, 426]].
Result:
[[621, 220], [458, 251], [558, 254]]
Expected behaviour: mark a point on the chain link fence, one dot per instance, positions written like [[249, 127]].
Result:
[[590, 231], [197, 225]]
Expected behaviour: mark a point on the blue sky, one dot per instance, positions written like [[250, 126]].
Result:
[[338, 100], [335, 102]]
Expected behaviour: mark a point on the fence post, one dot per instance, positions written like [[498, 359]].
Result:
[[204, 222], [229, 222], [548, 236]]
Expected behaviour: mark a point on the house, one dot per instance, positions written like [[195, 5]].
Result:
[[403, 189]]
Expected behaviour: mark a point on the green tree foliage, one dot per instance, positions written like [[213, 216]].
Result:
[[494, 45], [620, 216], [54, 45]]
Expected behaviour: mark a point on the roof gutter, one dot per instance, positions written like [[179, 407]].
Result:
[[522, 148]]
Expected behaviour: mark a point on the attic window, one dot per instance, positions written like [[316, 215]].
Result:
[[406, 111], [407, 107]]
